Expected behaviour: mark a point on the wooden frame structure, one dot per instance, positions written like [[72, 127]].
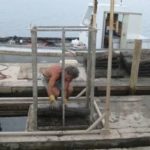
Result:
[[91, 103], [90, 71]]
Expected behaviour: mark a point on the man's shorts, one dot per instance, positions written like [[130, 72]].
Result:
[[45, 81]]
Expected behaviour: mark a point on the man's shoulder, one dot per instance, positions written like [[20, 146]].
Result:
[[56, 68]]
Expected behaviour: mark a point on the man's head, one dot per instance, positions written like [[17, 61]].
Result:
[[71, 72]]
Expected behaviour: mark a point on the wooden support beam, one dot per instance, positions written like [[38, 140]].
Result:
[[19, 105], [135, 65], [42, 140]]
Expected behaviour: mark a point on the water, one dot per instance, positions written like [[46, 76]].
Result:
[[12, 123], [17, 15]]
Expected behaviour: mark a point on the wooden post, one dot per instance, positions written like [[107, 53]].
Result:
[[135, 65], [109, 68], [123, 40], [34, 73], [94, 13]]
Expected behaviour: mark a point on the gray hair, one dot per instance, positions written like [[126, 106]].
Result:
[[72, 71]]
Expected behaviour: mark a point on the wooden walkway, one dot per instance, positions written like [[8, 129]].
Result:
[[129, 127], [129, 121], [47, 140], [20, 81]]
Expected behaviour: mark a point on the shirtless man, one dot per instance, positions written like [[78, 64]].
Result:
[[52, 81]]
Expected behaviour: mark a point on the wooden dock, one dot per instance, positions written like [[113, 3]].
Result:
[[129, 127], [19, 82], [47, 140], [129, 121]]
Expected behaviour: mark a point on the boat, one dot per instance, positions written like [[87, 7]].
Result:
[[125, 31]]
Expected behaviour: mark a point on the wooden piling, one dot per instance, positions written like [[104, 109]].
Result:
[[135, 66]]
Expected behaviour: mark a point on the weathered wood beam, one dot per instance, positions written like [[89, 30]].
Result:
[[135, 65], [19, 105], [78, 139], [120, 82]]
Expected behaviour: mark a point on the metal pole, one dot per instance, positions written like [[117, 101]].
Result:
[[63, 77], [108, 90], [93, 51], [34, 77], [92, 55], [88, 83]]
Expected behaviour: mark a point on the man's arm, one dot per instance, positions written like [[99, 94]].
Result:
[[52, 89]]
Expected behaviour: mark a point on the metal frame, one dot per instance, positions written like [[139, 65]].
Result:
[[91, 104]]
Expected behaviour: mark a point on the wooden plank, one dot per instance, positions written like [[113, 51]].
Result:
[[41, 52], [20, 105], [38, 140], [101, 82]]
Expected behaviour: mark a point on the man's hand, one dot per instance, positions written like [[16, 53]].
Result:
[[52, 99]]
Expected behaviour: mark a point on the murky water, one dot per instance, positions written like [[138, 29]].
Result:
[[12, 123]]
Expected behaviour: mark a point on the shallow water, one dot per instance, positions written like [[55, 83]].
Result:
[[12, 123]]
